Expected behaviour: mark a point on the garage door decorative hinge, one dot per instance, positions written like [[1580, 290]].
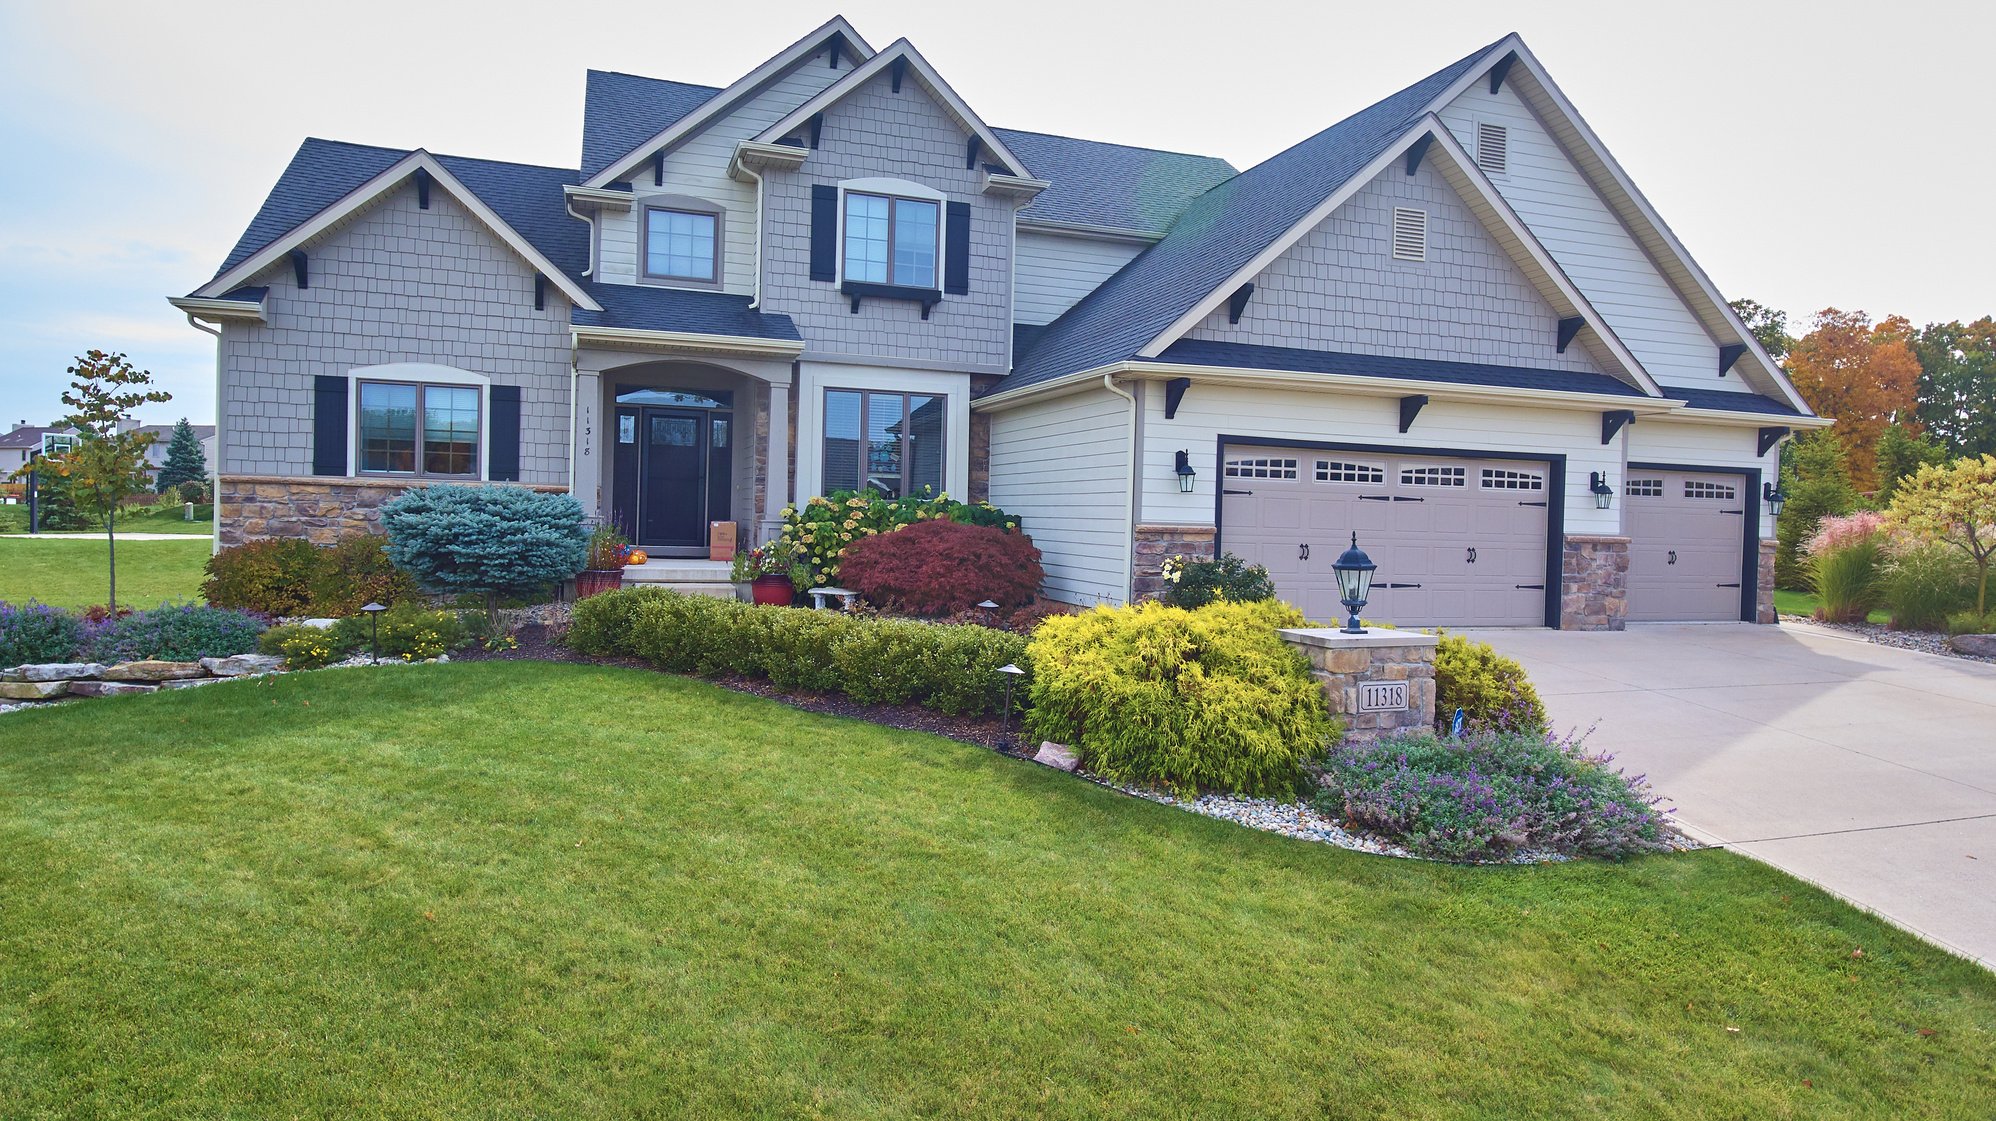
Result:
[[1531, 503], [1236, 492], [1734, 584], [1403, 585], [1533, 587]]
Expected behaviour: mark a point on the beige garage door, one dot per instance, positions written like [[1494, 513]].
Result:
[[1685, 535], [1458, 542]]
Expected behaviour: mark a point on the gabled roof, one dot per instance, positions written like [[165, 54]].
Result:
[[1112, 187], [904, 52], [622, 111], [710, 108], [29, 435], [326, 180], [1728, 401], [1221, 232], [634, 307]]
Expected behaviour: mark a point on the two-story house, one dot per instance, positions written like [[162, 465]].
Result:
[[1448, 323]]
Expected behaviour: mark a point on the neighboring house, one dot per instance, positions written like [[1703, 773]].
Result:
[[162, 438], [24, 440], [1447, 323]]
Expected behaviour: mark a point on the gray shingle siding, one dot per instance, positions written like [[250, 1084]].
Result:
[[394, 283], [1341, 289], [873, 133]]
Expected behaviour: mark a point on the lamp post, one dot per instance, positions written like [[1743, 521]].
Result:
[[1354, 572], [1604, 494], [1776, 498], [1185, 472], [1012, 673], [374, 611]]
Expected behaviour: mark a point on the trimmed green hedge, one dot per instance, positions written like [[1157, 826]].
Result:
[[952, 669]]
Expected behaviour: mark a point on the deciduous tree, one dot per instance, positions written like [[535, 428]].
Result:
[[1861, 373], [1901, 453], [1957, 390], [1955, 505], [1768, 325]]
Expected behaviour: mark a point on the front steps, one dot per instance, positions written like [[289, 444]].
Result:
[[685, 575]]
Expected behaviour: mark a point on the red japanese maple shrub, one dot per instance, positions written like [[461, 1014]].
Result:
[[934, 568]]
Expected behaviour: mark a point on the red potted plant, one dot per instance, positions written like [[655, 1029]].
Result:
[[604, 570], [771, 571]]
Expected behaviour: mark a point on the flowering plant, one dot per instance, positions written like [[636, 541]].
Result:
[[822, 529], [1833, 533], [772, 558], [1173, 569]]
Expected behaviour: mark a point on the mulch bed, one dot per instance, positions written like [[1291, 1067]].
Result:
[[536, 646]]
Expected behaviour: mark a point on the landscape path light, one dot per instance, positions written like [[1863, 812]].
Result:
[[1012, 673], [374, 611]]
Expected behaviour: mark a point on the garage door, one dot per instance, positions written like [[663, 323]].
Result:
[[1685, 535], [1459, 542]]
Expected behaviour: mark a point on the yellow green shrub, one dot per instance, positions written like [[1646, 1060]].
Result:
[[1491, 690], [1187, 700]]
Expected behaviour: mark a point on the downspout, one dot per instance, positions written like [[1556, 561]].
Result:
[[215, 485], [594, 233], [755, 280], [1130, 499]]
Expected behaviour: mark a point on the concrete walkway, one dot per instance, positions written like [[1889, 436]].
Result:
[[1868, 770], [203, 537]]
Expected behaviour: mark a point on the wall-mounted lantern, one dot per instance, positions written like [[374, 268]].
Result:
[[1604, 495], [1185, 473], [1776, 498]]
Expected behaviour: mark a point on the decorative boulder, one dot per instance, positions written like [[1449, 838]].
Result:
[[242, 665], [191, 683], [1057, 756], [1974, 645], [108, 688], [153, 671], [52, 671], [32, 690]]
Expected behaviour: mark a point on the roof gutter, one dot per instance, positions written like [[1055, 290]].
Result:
[[737, 345], [217, 310]]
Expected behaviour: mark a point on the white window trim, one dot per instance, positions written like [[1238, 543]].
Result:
[[814, 378], [420, 372], [896, 188]]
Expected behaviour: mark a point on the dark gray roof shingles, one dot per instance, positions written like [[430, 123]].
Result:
[[622, 111], [1724, 400], [645, 308], [1200, 352], [1112, 185]]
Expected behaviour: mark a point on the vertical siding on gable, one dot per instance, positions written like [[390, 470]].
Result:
[[1055, 271], [1063, 466], [874, 132], [395, 283], [698, 167], [1598, 253], [1341, 289]]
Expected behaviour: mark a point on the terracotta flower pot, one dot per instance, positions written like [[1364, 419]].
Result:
[[772, 591], [591, 581]]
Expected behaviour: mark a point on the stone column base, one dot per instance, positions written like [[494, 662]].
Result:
[[1157, 543], [1764, 587], [1594, 583], [1344, 664]]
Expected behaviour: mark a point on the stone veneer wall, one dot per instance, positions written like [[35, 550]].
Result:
[[1594, 583], [322, 511], [1155, 543], [1764, 588], [1341, 663]]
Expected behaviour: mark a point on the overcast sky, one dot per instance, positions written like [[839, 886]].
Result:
[[1807, 158]]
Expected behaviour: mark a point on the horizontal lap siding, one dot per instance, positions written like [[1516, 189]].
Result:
[[1055, 272], [1589, 241], [1703, 445], [1209, 411], [1062, 465]]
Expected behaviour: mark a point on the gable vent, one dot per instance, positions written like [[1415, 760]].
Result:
[[1410, 234], [1493, 148]]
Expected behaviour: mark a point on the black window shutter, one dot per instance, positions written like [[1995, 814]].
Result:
[[956, 249], [824, 232], [329, 425], [505, 442]]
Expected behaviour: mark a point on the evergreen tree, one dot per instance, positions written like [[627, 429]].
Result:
[[184, 461], [1901, 454], [1817, 478]]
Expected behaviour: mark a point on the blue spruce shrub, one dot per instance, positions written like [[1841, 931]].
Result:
[[490, 540]]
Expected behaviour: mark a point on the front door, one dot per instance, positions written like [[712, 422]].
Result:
[[673, 471]]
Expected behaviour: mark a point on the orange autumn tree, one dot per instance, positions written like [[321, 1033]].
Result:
[[1864, 375]]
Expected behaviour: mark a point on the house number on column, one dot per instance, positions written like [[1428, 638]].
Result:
[[1382, 696]]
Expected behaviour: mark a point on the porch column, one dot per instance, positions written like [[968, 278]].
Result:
[[776, 484], [586, 453]]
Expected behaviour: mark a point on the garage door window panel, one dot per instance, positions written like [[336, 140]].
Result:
[[1261, 468], [1434, 476], [1347, 471]]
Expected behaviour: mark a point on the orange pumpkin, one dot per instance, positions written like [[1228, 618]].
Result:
[[636, 556]]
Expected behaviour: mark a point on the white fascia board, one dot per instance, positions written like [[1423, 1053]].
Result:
[[374, 188], [687, 341], [1732, 419], [215, 310], [1368, 385], [1615, 187], [593, 196], [1014, 186], [900, 48], [719, 104]]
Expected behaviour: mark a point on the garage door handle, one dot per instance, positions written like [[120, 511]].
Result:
[[1673, 556], [1302, 552], [1472, 554], [1533, 587], [1403, 585], [1236, 492], [1734, 584]]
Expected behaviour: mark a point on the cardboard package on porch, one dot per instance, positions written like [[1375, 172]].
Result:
[[721, 541]]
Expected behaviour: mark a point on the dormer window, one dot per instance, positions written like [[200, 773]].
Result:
[[892, 240], [682, 245]]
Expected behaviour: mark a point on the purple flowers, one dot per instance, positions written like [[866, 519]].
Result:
[[35, 632], [1492, 793]]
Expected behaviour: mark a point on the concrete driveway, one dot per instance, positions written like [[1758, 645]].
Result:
[[1868, 770]]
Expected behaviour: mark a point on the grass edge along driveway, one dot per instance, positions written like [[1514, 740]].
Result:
[[526, 889]]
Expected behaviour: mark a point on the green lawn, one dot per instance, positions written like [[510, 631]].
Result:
[[75, 573], [1789, 602], [151, 519], [529, 890]]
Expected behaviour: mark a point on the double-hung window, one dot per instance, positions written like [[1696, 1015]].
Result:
[[682, 245], [892, 240], [409, 428], [888, 442]]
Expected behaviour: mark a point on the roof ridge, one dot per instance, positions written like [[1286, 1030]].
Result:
[[1116, 144], [436, 154]]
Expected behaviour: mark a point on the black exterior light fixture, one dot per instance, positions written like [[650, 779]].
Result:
[[1354, 572], [1604, 495], [374, 611], [1012, 674], [1776, 498], [1185, 473]]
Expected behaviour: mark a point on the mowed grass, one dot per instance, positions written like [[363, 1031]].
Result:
[[150, 519], [1790, 602], [518, 889], [76, 573]]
